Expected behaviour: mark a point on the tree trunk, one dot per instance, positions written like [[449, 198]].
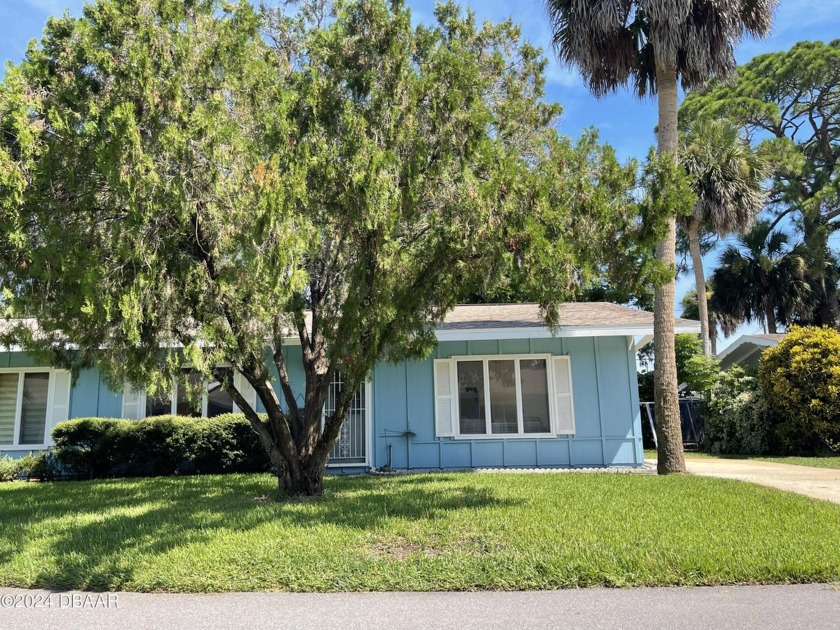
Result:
[[770, 316], [668, 426], [700, 281], [713, 337], [309, 480]]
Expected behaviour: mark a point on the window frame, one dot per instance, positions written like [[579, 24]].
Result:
[[516, 358], [173, 399], [51, 403]]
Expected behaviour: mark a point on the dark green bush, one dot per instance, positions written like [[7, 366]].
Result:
[[165, 445]]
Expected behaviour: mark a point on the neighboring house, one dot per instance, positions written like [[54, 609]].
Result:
[[499, 390], [746, 350]]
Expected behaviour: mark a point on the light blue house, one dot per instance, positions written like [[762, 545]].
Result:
[[500, 390]]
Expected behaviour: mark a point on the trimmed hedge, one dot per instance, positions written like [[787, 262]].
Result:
[[97, 448]]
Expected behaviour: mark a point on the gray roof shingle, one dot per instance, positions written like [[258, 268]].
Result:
[[571, 315]]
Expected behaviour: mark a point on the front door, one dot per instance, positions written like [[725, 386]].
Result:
[[351, 447]]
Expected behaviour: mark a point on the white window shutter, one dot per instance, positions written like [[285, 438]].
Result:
[[564, 409], [444, 399], [60, 408], [247, 391], [133, 403]]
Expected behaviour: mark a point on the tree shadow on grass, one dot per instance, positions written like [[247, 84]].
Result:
[[93, 535]]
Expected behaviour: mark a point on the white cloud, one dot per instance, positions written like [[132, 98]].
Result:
[[565, 76]]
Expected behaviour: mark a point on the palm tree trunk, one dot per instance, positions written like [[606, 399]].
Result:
[[770, 316], [713, 337], [668, 427], [693, 230]]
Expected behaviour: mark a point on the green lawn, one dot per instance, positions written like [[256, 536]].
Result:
[[457, 531], [813, 462]]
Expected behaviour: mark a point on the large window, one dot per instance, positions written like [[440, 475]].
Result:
[[503, 396], [24, 399], [195, 397]]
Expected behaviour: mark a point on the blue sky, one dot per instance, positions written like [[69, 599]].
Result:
[[624, 121]]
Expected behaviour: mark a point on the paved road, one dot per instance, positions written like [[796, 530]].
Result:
[[820, 483], [812, 606]]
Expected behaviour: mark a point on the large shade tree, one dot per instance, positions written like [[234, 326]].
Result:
[[761, 278], [656, 45], [788, 103], [203, 182], [727, 176]]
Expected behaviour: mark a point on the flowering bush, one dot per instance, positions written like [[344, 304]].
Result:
[[800, 381], [736, 420]]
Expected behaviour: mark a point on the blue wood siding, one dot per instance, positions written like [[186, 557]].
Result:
[[607, 418]]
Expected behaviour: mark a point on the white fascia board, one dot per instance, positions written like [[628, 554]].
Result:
[[641, 343], [540, 332], [743, 340]]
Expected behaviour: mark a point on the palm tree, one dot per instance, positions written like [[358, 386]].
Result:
[[762, 279], [726, 324], [726, 175], [654, 44]]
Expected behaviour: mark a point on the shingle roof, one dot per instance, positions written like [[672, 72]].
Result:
[[577, 317], [777, 337], [571, 315]]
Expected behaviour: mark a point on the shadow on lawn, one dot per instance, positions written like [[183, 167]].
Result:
[[96, 531]]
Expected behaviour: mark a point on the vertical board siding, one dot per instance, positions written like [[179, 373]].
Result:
[[608, 429], [605, 414]]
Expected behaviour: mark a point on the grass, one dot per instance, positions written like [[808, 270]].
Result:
[[827, 461], [456, 531]]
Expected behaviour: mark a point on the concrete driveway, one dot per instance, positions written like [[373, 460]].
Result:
[[812, 606], [819, 483]]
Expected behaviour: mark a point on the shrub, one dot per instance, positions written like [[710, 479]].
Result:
[[735, 418], [9, 468], [800, 381], [701, 372], [164, 445]]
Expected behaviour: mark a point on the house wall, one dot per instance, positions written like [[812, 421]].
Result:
[[605, 396]]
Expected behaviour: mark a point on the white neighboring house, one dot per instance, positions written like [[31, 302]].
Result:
[[746, 350]]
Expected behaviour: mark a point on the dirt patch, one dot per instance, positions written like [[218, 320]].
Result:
[[402, 549]]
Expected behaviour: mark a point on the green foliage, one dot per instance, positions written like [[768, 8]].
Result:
[[164, 445], [9, 468], [762, 279], [646, 391], [701, 372], [726, 175], [41, 465], [619, 44], [736, 419], [686, 346], [800, 380], [787, 102]]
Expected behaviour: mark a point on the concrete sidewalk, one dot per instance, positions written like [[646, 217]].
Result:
[[819, 483], [813, 606]]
